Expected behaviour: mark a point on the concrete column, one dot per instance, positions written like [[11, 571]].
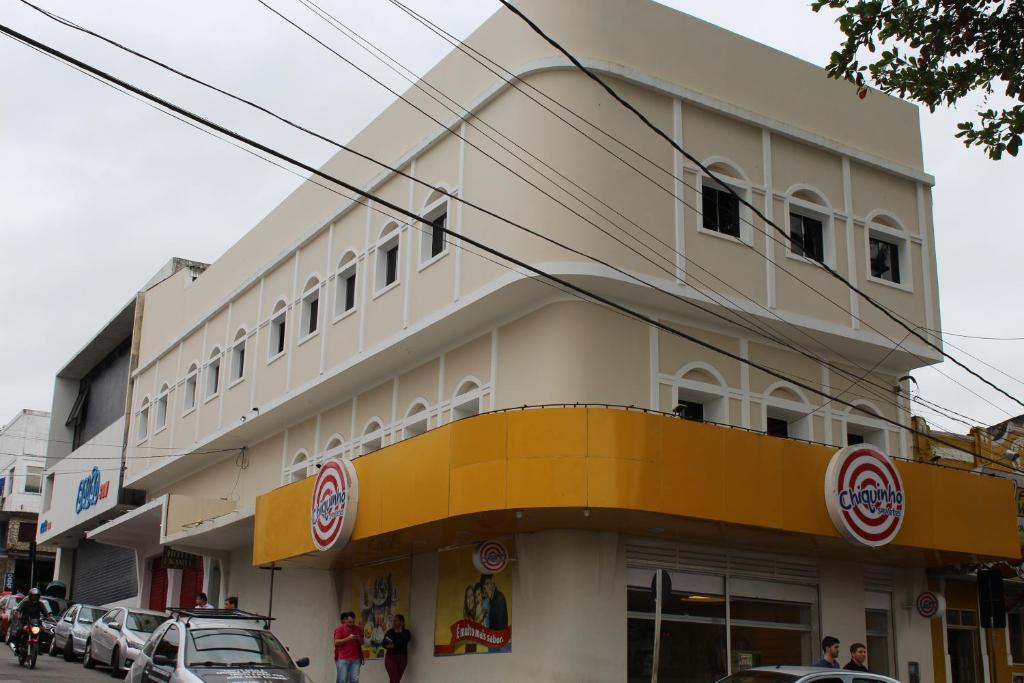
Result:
[[842, 606], [174, 588], [63, 566]]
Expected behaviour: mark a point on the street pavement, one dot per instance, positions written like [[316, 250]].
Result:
[[49, 669]]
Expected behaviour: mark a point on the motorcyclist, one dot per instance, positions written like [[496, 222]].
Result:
[[31, 608]]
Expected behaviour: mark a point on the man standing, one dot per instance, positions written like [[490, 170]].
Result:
[[830, 653], [348, 648], [203, 602], [231, 602], [858, 655]]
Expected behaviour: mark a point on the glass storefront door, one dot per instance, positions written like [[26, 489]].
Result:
[[964, 646], [712, 626]]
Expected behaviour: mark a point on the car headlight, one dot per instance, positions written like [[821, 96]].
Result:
[[35, 630], [134, 644]]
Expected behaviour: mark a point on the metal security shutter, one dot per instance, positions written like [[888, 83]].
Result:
[[647, 554], [103, 574], [879, 579]]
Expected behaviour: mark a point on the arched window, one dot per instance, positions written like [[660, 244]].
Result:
[[433, 239], [809, 225], [722, 213], [213, 374], [238, 356], [296, 471], [863, 425], [787, 413], [701, 394], [310, 322], [467, 400], [142, 420], [278, 330], [373, 437], [160, 420], [888, 250], [345, 301], [191, 384], [417, 419], [387, 257]]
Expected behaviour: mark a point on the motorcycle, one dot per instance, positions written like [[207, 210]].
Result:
[[28, 644]]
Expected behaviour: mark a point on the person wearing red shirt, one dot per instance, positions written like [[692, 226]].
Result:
[[348, 648]]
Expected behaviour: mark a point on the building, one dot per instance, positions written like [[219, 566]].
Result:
[[22, 458], [334, 333], [84, 484]]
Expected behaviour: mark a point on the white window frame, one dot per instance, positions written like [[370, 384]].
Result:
[[277, 332], [191, 391], [714, 397], [816, 211], [310, 296], [236, 373], [335, 449], [391, 236], [897, 236], [347, 267], [162, 403], [742, 186], [798, 414], [142, 421], [299, 465], [28, 477], [431, 212], [212, 381], [417, 419], [373, 437], [874, 430], [463, 397]]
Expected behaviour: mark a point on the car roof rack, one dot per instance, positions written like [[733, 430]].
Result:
[[190, 613]]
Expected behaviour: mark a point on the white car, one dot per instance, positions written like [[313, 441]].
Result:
[[116, 639], [803, 674], [72, 630], [205, 645]]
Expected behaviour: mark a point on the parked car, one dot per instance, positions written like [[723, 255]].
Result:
[[802, 674], [73, 630], [198, 645], [8, 604], [117, 637]]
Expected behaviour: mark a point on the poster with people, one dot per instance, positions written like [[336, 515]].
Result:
[[474, 608], [379, 592]]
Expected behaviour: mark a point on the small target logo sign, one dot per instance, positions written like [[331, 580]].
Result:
[[864, 495], [931, 605], [334, 502], [490, 557]]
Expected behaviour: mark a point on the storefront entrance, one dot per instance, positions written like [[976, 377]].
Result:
[[964, 646], [158, 585]]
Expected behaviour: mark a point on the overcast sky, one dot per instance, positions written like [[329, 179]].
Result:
[[98, 191]]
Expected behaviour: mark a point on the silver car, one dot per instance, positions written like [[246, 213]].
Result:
[[117, 637], [72, 630], [803, 674], [218, 645]]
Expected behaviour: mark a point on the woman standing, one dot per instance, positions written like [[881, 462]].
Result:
[[396, 642]]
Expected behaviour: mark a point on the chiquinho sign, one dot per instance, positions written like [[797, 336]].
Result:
[[333, 509], [864, 495]]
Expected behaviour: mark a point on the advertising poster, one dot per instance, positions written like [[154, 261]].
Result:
[[474, 609], [379, 592]]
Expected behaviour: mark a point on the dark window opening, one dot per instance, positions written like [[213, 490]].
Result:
[[807, 237], [26, 532], [777, 427], [391, 265], [350, 292], [690, 410], [279, 335], [721, 211], [437, 235], [314, 315], [853, 439], [885, 260]]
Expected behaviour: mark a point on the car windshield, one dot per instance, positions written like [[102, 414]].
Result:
[[759, 677], [87, 615], [144, 623], [224, 646]]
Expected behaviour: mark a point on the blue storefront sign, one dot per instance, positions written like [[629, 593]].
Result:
[[88, 491]]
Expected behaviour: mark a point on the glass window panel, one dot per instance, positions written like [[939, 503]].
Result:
[[770, 612], [758, 646], [877, 621], [968, 618], [878, 654]]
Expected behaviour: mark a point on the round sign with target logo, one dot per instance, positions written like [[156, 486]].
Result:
[[864, 495], [333, 509], [490, 557], [930, 605]]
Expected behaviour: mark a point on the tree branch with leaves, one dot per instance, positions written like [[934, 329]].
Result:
[[936, 52]]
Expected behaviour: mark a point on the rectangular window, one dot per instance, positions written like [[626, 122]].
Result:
[[190, 391], [391, 267], [437, 235], [350, 292], [213, 378], [26, 532], [885, 260], [690, 410], [34, 480], [10, 481], [143, 428], [777, 427], [721, 210], [277, 335], [878, 641], [1015, 621], [310, 312], [161, 412], [807, 237], [238, 361], [48, 491], [853, 439]]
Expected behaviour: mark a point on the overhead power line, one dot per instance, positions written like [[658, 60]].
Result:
[[579, 290], [658, 131]]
